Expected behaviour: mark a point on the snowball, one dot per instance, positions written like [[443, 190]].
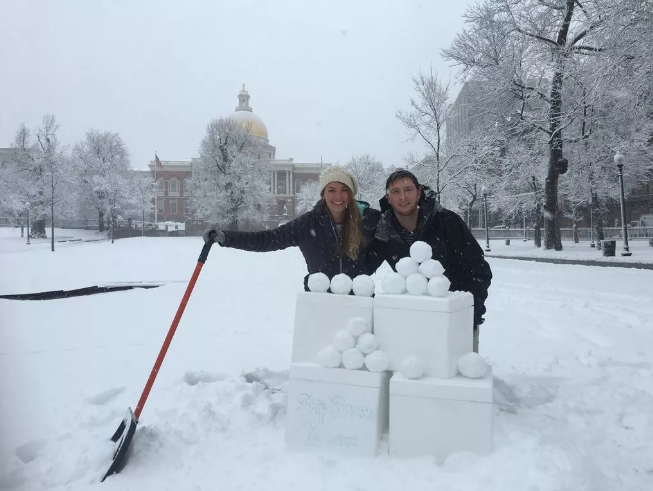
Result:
[[393, 284], [377, 361], [366, 343], [343, 340], [420, 251], [439, 286], [341, 284], [406, 266], [413, 367], [472, 365], [363, 286], [318, 282], [357, 326], [431, 268], [352, 359], [329, 357], [417, 284]]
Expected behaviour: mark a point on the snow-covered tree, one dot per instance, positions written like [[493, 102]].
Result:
[[145, 187], [530, 48], [370, 176], [426, 122], [308, 195], [231, 184], [40, 174], [103, 162]]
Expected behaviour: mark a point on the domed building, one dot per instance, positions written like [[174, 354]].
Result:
[[286, 175]]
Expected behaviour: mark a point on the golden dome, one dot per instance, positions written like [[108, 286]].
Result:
[[251, 123]]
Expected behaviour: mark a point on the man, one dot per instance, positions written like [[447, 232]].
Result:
[[410, 213]]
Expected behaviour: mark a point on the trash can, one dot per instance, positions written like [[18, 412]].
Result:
[[507, 241], [609, 247], [650, 242]]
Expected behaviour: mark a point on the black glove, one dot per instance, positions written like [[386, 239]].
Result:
[[213, 234]]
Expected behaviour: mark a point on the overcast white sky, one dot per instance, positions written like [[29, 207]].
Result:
[[326, 77]]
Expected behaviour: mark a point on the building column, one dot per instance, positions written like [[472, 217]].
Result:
[[292, 189], [272, 181], [287, 182]]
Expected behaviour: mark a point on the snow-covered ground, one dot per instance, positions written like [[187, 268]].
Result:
[[570, 347], [641, 251]]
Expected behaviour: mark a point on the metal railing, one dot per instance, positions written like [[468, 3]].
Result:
[[584, 233]]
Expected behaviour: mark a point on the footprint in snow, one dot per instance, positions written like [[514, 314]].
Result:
[[194, 378], [104, 397], [29, 451]]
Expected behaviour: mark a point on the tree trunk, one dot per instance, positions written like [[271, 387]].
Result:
[[38, 229], [52, 224], [537, 231], [599, 217], [100, 221], [575, 234]]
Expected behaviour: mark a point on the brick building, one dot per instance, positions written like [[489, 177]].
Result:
[[286, 176]]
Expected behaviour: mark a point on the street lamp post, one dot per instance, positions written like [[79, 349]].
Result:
[[524, 213], [619, 160], [487, 228], [28, 229]]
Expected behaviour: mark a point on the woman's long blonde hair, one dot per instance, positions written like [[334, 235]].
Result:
[[352, 237]]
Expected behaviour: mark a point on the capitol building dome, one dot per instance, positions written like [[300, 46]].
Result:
[[249, 121]]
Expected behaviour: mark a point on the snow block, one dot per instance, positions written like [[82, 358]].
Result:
[[438, 330], [332, 410], [319, 316], [438, 417]]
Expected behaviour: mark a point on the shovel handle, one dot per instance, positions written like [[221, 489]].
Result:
[[173, 327]]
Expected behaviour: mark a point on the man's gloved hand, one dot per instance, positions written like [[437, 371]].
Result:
[[214, 233]]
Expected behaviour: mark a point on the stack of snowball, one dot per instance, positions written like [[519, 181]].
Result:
[[341, 284], [354, 347], [417, 274]]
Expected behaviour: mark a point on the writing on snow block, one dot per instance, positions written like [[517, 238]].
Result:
[[333, 421]]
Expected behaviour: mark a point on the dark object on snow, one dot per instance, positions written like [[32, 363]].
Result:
[[451, 241], [609, 247], [121, 437], [79, 292], [507, 241], [315, 235], [650, 242]]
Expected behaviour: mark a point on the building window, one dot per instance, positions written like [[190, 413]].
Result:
[[281, 182], [186, 189], [173, 187], [160, 184], [160, 207], [173, 207]]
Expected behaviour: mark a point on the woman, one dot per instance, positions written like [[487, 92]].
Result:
[[332, 236]]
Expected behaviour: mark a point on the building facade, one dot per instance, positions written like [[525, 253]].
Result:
[[173, 198]]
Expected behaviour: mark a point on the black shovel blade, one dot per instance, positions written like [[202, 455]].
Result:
[[123, 438]]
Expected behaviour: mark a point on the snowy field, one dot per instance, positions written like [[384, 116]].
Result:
[[642, 252], [570, 347]]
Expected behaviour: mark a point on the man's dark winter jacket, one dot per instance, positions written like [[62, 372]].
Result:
[[315, 234], [452, 242]]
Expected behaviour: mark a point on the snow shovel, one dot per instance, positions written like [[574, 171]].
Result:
[[125, 432]]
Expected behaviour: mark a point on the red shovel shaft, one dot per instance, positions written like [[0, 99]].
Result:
[[171, 333]]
